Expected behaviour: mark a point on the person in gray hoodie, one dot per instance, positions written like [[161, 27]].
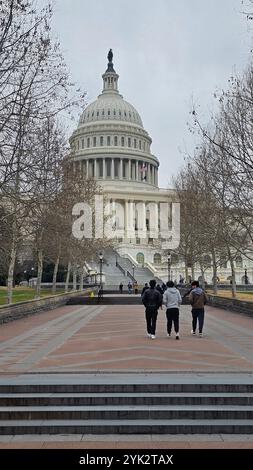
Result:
[[172, 299], [198, 299]]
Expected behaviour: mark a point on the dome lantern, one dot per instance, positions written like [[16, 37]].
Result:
[[110, 77]]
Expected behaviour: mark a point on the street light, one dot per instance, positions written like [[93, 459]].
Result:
[[133, 270], [101, 256], [246, 276], [169, 265]]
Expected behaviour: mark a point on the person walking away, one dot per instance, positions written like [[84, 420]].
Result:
[[152, 299], [121, 288], [129, 288], [172, 299], [144, 288], [136, 288], [198, 299]]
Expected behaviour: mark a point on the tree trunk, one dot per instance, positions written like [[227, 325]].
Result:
[[215, 287], [202, 276], [67, 277], [39, 273], [74, 277], [81, 281], [233, 275], [192, 272], [56, 266], [11, 272]]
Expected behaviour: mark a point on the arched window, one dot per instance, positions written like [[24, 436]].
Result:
[[140, 258], [115, 141], [122, 141], [238, 261], [157, 258], [101, 141], [88, 141]]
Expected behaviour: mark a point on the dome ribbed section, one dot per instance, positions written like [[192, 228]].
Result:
[[110, 107]]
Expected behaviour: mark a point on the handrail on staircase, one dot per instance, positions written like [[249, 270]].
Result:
[[120, 268], [131, 276]]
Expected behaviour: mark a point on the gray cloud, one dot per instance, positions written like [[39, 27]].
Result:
[[166, 53]]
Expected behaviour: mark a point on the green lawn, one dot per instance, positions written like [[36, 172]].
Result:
[[21, 294]]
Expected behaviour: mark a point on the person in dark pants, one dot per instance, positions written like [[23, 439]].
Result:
[[198, 299], [152, 299], [172, 299], [121, 288]]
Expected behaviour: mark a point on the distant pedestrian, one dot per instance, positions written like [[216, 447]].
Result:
[[121, 288], [152, 299], [172, 299], [130, 287], [136, 288], [144, 288], [198, 299]]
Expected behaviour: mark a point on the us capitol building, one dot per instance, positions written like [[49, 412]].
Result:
[[112, 146]]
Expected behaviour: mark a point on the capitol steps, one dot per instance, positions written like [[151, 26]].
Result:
[[155, 408]]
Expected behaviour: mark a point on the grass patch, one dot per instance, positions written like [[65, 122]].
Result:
[[240, 295], [21, 294]]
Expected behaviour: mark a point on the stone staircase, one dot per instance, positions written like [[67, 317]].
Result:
[[130, 408]]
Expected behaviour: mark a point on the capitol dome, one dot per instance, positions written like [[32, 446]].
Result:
[[110, 142]]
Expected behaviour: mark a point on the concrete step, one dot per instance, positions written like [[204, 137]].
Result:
[[98, 399], [132, 412], [150, 426], [137, 388]]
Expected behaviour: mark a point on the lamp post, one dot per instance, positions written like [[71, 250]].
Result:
[[101, 256], [169, 265], [133, 271], [246, 276]]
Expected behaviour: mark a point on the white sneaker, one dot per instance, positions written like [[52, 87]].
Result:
[[200, 335], [149, 335], [169, 335], [152, 336], [193, 332], [177, 336]]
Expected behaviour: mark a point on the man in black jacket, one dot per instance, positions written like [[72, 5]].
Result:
[[152, 299]]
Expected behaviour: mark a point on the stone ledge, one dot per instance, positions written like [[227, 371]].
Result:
[[29, 307], [241, 306]]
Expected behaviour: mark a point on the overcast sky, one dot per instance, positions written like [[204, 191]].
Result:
[[168, 53]]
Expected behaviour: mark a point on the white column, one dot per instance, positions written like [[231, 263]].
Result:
[[104, 169], [153, 219], [112, 169], [141, 219], [95, 168], [87, 168], [121, 169], [149, 174], [126, 219], [130, 219], [129, 168], [137, 170]]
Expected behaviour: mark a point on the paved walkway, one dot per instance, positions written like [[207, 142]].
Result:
[[112, 340]]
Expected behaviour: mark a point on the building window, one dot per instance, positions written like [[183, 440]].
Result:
[[97, 113], [108, 167], [103, 112], [101, 141], [124, 168], [129, 142], [122, 141], [140, 258], [82, 143], [119, 113], [88, 142], [114, 112], [109, 112], [140, 144], [135, 143], [108, 140], [138, 241], [115, 141], [78, 145], [100, 168], [116, 168], [238, 261], [157, 258], [94, 141]]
